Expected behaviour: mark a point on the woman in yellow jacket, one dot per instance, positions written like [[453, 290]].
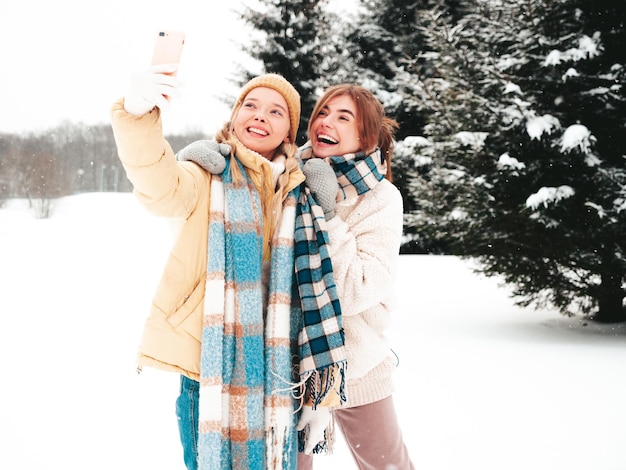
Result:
[[221, 313]]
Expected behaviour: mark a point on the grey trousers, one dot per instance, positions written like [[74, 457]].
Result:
[[373, 436]]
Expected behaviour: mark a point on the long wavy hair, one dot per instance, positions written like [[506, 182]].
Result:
[[272, 204]]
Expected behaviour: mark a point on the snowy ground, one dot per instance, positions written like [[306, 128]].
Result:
[[481, 384]]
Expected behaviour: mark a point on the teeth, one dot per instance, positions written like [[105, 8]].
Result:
[[326, 139], [256, 130]]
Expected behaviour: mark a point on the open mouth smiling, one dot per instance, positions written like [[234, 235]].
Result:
[[256, 130], [326, 139]]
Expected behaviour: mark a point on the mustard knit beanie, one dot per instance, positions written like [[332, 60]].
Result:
[[282, 86]]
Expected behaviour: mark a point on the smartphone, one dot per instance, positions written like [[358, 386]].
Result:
[[168, 47]]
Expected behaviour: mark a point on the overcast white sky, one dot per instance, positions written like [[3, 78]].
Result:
[[70, 59]]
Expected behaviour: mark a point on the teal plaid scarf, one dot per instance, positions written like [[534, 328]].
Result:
[[246, 407], [357, 173], [321, 340]]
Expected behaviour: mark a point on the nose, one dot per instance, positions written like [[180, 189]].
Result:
[[259, 115], [326, 121]]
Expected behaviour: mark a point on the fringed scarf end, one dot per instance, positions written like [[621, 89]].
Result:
[[326, 386], [280, 453]]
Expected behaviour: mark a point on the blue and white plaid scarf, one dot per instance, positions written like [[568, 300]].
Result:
[[246, 407]]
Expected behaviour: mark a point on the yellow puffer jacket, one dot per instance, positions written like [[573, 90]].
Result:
[[169, 188]]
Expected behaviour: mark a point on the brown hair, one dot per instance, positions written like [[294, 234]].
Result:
[[375, 128]]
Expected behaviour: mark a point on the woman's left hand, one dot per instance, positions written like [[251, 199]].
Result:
[[207, 153], [322, 181], [318, 420]]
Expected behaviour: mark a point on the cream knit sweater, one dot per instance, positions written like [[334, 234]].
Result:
[[365, 237]]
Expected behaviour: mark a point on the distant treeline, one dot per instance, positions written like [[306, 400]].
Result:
[[64, 160]]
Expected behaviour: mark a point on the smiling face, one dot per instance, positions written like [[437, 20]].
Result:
[[335, 130], [262, 121]]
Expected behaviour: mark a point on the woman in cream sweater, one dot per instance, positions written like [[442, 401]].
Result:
[[347, 167]]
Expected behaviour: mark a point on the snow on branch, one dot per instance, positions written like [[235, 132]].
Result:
[[415, 141], [546, 195], [507, 162], [538, 125], [598, 208], [510, 87], [415, 147], [473, 139], [588, 47], [569, 73], [578, 137]]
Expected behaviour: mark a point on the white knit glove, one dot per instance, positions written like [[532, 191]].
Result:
[[318, 420], [151, 87], [207, 153], [322, 181]]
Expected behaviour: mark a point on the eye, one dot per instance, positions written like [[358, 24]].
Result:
[[249, 105], [277, 112]]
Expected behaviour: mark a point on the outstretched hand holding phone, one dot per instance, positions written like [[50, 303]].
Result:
[[155, 85]]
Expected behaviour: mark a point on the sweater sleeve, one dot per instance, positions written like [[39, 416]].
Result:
[[365, 239], [164, 186]]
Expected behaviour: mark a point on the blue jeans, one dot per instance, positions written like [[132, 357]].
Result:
[[187, 413]]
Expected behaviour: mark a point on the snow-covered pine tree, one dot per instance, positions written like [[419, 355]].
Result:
[[525, 148], [380, 49], [315, 44], [379, 45], [291, 38]]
